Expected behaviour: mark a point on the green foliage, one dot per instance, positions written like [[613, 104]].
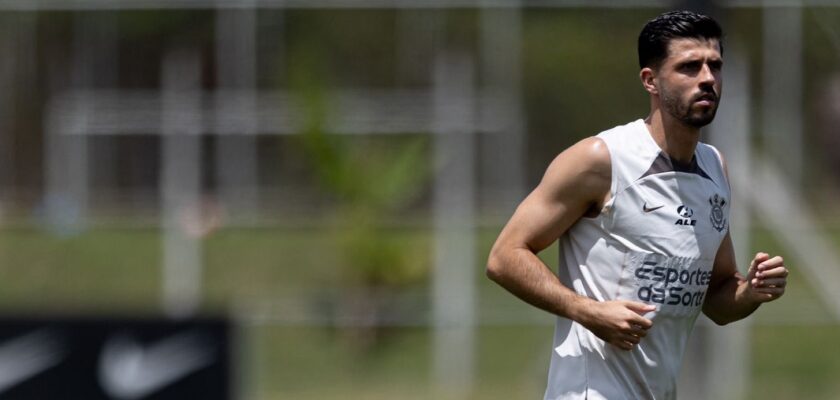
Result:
[[371, 183]]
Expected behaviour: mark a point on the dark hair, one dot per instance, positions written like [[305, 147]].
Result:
[[658, 32]]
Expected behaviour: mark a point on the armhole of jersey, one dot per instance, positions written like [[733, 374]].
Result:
[[720, 162], [613, 179], [604, 213]]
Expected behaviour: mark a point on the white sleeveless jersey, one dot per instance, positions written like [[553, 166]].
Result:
[[654, 242]]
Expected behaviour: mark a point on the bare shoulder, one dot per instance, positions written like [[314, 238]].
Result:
[[585, 166], [574, 185]]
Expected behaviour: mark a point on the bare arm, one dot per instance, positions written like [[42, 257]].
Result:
[[576, 182], [730, 295]]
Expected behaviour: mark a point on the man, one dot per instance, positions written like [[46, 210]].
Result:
[[642, 215]]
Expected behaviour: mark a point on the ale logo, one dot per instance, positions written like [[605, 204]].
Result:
[[685, 214]]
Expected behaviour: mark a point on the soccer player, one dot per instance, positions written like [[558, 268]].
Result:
[[642, 214]]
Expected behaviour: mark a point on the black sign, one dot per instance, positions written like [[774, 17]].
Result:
[[115, 359]]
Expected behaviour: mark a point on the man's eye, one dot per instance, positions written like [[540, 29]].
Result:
[[690, 66]]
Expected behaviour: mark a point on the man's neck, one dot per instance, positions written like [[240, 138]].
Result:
[[675, 138]]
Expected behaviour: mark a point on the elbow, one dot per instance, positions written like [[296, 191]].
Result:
[[495, 269], [718, 319]]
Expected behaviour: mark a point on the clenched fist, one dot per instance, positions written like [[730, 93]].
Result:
[[618, 322], [766, 278]]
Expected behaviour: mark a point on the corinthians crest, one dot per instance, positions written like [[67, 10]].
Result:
[[717, 216]]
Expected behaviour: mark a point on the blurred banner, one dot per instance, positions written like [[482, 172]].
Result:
[[114, 358]]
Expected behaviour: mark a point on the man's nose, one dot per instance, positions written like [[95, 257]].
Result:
[[707, 77]]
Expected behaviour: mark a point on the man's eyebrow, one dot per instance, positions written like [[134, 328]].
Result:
[[689, 61], [698, 58]]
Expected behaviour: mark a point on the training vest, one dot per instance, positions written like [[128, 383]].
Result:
[[654, 242]]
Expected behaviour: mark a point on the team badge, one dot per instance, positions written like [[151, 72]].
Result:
[[718, 221]]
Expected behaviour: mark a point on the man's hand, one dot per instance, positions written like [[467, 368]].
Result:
[[618, 322], [766, 278]]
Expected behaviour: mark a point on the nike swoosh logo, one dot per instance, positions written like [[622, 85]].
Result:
[[26, 356], [129, 370], [647, 210]]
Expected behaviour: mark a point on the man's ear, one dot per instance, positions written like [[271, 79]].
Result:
[[648, 78]]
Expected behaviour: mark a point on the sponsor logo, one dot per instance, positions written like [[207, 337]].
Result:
[[685, 214], [647, 209], [130, 370], [676, 285], [717, 214], [26, 356], [667, 285]]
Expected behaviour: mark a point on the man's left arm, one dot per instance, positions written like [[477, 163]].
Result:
[[731, 296]]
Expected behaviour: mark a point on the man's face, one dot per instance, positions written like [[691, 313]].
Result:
[[689, 80]]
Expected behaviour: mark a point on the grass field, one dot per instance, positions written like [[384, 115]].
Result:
[[118, 270]]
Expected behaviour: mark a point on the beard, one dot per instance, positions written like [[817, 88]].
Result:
[[684, 112]]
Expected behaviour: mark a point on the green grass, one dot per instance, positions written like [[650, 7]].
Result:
[[322, 363], [317, 363], [795, 362], [98, 271]]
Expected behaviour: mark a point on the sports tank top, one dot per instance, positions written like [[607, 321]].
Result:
[[654, 242]]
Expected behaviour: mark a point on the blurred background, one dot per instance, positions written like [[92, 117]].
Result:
[[326, 177]]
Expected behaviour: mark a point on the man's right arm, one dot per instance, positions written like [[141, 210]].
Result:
[[576, 183]]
